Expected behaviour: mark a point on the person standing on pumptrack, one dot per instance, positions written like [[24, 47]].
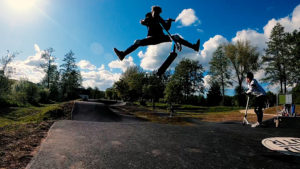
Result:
[[153, 21]]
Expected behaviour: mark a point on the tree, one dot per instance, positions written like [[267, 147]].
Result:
[[243, 58], [296, 94], [70, 77], [173, 91], [214, 95], [111, 93], [153, 88], [189, 75], [48, 67], [293, 45], [219, 70], [5, 83], [55, 93], [276, 58], [122, 89], [5, 60], [130, 85]]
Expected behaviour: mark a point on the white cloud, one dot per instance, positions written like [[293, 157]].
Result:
[[289, 23], [188, 17], [256, 39], [97, 48], [35, 60], [209, 47], [123, 65], [29, 68], [84, 64], [100, 78], [207, 80], [155, 55]]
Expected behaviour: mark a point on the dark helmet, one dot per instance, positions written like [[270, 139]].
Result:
[[156, 9]]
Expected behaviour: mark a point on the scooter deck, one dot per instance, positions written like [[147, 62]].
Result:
[[166, 64]]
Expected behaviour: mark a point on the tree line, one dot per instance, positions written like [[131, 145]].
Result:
[[59, 83], [228, 68]]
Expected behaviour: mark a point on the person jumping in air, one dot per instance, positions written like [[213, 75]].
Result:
[[154, 23], [260, 96]]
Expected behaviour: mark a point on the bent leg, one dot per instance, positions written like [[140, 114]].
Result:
[[180, 40], [145, 42]]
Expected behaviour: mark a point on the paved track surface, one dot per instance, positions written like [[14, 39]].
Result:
[[121, 144]]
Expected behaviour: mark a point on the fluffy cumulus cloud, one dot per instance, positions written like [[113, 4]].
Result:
[[100, 78], [289, 23], [188, 17], [207, 80], [259, 40], [255, 38], [29, 68], [209, 47], [84, 64], [123, 65], [156, 54]]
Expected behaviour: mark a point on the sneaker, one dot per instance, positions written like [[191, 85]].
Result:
[[197, 45], [257, 124], [120, 54]]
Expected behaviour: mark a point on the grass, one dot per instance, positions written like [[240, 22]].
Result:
[[201, 113], [31, 114], [23, 128]]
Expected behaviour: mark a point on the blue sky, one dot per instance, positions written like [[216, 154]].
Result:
[[92, 28]]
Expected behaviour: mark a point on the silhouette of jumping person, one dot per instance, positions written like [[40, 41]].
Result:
[[155, 35]]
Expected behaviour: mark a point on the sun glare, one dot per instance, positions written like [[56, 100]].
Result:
[[21, 5]]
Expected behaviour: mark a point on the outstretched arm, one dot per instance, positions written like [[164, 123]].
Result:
[[146, 20]]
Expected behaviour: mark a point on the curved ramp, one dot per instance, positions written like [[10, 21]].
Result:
[[93, 111]]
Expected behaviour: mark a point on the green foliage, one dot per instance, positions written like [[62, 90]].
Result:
[[189, 76], [243, 58], [293, 45], [153, 88], [214, 95], [130, 85], [277, 58], [95, 93], [173, 91], [296, 94], [219, 70], [30, 114], [122, 89], [25, 92], [5, 85], [111, 94], [70, 77], [44, 96]]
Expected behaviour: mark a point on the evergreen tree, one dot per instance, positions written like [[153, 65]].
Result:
[[70, 77], [214, 95], [293, 41], [48, 67], [277, 58], [219, 70]]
